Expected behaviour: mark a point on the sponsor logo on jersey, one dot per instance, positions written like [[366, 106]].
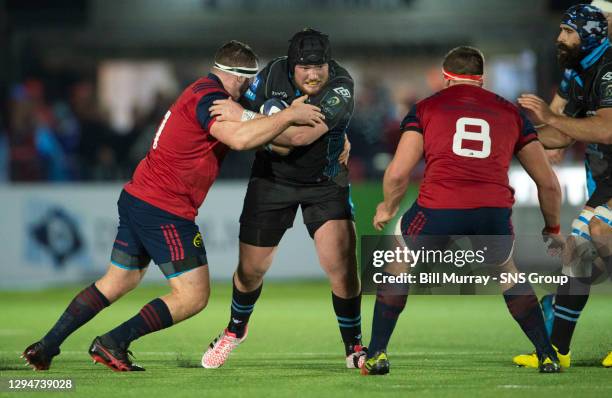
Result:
[[255, 84], [281, 94], [197, 240], [250, 95], [332, 101], [331, 105], [343, 92], [607, 96], [607, 76]]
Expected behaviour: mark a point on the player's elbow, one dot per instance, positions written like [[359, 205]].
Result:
[[560, 143], [550, 187], [396, 176], [239, 144]]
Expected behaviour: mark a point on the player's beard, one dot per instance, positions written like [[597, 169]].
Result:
[[312, 90], [568, 57]]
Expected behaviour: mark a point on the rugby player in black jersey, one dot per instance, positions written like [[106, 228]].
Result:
[[581, 111], [301, 168]]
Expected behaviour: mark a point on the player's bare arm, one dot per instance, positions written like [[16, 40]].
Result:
[[346, 151], [256, 132], [301, 135], [230, 110], [534, 161], [551, 138], [557, 105], [306, 135], [395, 182], [593, 129]]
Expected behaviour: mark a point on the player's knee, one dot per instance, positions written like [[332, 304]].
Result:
[[578, 260], [199, 302], [192, 299], [132, 280], [580, 252], [341, 274], [344, 281], [250, 274], [116, 284]]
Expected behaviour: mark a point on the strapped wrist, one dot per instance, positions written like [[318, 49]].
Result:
[[247, 115]]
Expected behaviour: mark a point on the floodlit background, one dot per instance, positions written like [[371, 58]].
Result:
[[84, 84]]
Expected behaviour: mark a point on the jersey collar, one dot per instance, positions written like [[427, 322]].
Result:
[[587, 62], [214, 77], [595, 55]]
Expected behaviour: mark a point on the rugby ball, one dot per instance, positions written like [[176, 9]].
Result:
[[272, 106]]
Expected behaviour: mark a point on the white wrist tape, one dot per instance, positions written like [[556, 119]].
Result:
[[247, 115]]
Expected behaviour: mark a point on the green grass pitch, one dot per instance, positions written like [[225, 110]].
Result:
[[444, 346]]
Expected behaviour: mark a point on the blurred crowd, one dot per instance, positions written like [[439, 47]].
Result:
[[63, 135]]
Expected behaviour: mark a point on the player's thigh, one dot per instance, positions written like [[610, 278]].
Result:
[[129, 258], [437, 229], [323, 203], [335, 244], [508, 268], [128, 251], [492, 234], [425, 228], [174, 243], [268, 211]]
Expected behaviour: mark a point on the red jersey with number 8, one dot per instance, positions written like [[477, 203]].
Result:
[[184, 158], [470, 136]]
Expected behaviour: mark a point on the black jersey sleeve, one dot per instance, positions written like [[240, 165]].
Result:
[[336, 101], [412, 121], [527, 132], [572, 108], [255, 95], [603, 85]]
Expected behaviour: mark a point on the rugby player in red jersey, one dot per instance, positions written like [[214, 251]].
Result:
[[468, 136], [157, 210]]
